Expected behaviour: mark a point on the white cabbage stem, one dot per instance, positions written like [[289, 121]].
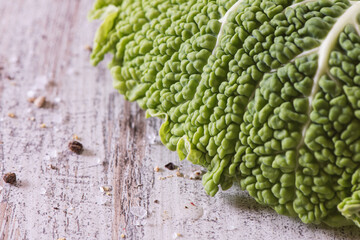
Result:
[[327, 45], [223, 21]]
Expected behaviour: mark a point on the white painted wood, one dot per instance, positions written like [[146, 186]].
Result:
[[42, 49]]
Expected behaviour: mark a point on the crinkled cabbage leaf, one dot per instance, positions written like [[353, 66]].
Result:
[[264, 92]]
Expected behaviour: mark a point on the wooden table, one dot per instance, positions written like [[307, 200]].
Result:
[[60, 194]]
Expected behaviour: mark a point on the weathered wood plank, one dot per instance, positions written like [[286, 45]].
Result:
[[42, 49], [128, 158]]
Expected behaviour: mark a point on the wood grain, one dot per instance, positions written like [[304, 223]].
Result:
[[42, 51]]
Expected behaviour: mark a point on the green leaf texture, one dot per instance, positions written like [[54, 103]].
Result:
[[263, 92]]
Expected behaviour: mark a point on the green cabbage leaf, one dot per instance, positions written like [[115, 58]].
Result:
[[263, 92]]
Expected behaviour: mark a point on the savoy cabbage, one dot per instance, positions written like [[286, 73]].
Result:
[[264, 92]]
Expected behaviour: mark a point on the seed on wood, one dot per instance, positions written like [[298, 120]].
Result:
[[76, 147], [105, 188], [31, 99], [170, 166], [88, 47], [12, 115], [76, 137], [53, 167], [9, 77], [10, 178], [176, 235], [156, 169], [196, 175], [40, 101]]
